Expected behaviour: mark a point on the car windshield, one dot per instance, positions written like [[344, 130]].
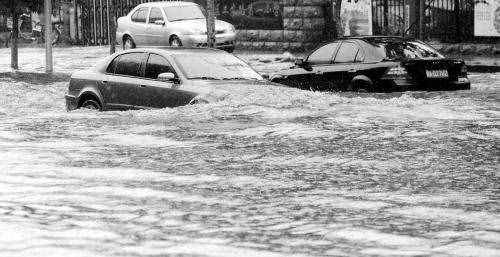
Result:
[[187, 12], [408, 50], [215, 67]]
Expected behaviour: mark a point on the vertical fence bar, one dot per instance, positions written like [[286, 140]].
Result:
[[101, 21], [457, 20], [75, 19], [108, 18], [94, 24]]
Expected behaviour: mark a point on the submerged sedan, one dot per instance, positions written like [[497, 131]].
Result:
[[159, 78], [375, 64]]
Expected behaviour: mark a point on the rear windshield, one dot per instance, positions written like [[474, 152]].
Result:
[[187, 12], [215, 66], [408, 50]]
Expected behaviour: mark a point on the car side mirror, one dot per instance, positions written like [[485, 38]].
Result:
[[167, 77], [160, 22], [299, 62], [265, 76], [302, 64]]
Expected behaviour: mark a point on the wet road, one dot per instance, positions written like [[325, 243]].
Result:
[[266, 172]]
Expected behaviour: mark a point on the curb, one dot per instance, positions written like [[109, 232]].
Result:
[[483, 68]]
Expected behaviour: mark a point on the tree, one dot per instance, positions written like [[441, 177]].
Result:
[[336, 18], [211, 23], [15, 8]]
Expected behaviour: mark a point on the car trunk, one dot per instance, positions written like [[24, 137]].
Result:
[[434, 70]]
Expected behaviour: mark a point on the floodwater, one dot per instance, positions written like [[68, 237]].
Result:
[[265, 172]]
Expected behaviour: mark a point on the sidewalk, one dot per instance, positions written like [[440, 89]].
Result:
[[481, 63]]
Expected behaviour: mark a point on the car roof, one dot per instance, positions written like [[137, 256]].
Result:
[[165, 51], [177, 50], [378, 39], [166, 4]]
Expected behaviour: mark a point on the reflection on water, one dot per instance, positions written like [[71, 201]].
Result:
[[267, 172]]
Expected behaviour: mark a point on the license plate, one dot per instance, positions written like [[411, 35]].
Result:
[[436, 73]]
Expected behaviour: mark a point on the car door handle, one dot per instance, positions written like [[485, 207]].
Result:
[[352, 70], [104, 82], [141, 85]]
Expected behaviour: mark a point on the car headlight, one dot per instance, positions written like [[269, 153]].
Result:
[[199, 100], [231, 29]]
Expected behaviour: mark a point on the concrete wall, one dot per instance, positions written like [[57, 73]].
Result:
[[304, 23]]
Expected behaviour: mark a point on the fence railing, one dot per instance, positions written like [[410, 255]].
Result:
[[444, 20]]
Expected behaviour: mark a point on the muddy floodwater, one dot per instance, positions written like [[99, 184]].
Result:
[[265, 172]]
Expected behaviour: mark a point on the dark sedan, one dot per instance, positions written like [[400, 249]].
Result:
[[158, 78], [375, 64]]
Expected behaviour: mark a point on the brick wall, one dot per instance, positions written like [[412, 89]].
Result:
[[304, 23]]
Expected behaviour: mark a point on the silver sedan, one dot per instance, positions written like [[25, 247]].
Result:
[[171, 24]]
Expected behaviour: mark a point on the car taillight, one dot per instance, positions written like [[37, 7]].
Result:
[[397, 71]]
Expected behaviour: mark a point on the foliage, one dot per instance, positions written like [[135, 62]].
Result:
[[20, 6]]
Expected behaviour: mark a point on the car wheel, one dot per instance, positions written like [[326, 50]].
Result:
[[359, 86], [128, 43], [230, 49], [91, 104], [175, 42]]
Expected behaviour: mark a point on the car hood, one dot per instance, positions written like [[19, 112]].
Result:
[[218, 90], [199, 24]]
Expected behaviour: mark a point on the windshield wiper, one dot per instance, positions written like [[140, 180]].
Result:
[[239, 78], [206, 77]]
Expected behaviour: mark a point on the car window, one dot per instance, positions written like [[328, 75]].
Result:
[[408, 50], [155, 15], [156, 65], [347, 52], [360, 57], [140, 15], [112, 65], [186, 12], [129, 64], [323, 55], [217, 66]]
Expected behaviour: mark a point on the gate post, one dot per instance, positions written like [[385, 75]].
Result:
[[421, 19], [458, 37], [386, 17], [48, 36]]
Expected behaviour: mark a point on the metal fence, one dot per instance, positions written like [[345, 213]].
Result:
[[444, 20], [391, 17]]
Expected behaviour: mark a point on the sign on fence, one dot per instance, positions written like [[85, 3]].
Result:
[[356, 17], [487, 18], [253, 14]]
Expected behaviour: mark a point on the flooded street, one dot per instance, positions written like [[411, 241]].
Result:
[[265, 172]]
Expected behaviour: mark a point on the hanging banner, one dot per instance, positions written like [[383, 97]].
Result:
[[487, 18], [356, 17]]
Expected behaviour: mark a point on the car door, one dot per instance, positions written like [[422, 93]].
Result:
[[347, 62], [155, 32], [160, 94], [325, 76], [310, 75], [121, 84], [138, 26]]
